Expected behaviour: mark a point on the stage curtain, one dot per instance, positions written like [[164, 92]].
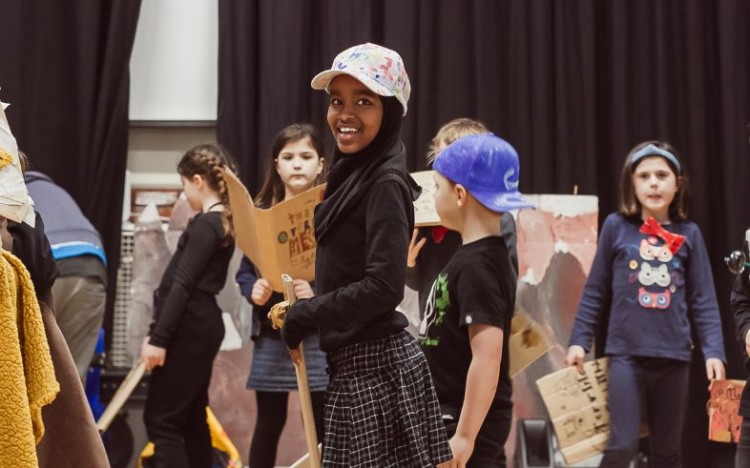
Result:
[[64, 67]]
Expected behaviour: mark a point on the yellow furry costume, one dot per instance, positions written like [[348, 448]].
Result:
[[27, 378]]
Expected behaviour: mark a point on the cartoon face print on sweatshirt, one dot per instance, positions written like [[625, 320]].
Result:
[[657, 300], [654, 275], [649, 251], [436, 308], [657, 270]]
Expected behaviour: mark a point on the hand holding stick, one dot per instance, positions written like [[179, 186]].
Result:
[[277, 316]]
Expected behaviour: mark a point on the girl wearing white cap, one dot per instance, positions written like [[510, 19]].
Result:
[[381, 408]]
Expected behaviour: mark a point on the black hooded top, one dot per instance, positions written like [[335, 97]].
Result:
[[363, 228]]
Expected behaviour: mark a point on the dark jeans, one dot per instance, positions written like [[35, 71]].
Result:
[[742, 458], [270, 421], [658, 386], [489, 448]]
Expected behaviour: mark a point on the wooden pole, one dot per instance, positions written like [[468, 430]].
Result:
[[304, 388], [121, 396]]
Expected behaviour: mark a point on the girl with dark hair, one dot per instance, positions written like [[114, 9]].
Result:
[[297, 166], [381, 408], [187, 329], [651, 279]]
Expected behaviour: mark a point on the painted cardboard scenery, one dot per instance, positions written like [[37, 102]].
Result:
[[151, 256], [279, 240], [556, 244]]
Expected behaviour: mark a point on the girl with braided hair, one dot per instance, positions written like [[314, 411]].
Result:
[[187, 328]]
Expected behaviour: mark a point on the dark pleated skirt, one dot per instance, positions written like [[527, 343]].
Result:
[[381, 408]]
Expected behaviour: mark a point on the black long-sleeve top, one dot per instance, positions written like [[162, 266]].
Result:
[[360, 269], [32, 247], [198, 266]]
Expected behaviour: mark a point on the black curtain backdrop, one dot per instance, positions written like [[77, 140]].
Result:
[[64, 68], [572, 85]]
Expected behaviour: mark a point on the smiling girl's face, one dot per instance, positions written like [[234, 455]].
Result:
[[354, 114]]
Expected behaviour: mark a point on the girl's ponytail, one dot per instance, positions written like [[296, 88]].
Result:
[[208, 161]]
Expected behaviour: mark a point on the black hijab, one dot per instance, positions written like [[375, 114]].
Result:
[[351, 175]]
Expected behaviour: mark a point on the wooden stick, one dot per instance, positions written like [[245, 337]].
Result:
[[303, 462], [304, 388], [121, 396]]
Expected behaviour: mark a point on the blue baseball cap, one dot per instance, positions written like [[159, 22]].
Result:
[[488, 167]]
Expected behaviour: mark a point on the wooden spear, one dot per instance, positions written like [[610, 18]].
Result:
[[277, 315]]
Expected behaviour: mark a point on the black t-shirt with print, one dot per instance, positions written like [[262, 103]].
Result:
[[477, 286]]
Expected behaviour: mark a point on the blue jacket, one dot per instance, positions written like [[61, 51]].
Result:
[[70, 233]]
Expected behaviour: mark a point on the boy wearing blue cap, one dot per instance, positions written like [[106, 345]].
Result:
[[471, 303]]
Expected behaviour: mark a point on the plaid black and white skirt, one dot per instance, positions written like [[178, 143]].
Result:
[[381, 409]]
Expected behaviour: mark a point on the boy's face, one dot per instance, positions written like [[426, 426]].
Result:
[[354, 114], [446, 202]]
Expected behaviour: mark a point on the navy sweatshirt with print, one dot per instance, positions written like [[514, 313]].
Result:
[[653, 296]]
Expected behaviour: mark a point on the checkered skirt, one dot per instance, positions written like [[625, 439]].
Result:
[[381, 409]]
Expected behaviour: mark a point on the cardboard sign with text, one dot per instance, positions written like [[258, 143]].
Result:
[[577, 406], [724, 421], [425, 213], [279, 240]]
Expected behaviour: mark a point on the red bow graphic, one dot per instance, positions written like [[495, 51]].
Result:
[[671, 240]]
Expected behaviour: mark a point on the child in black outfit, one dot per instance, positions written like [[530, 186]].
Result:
[[188, 328], [381, 408], [468, 314]]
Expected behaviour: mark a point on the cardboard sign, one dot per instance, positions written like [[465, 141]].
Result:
[[526, 344], [577, 406], [724, 421], [425, 213], [279, 240]]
